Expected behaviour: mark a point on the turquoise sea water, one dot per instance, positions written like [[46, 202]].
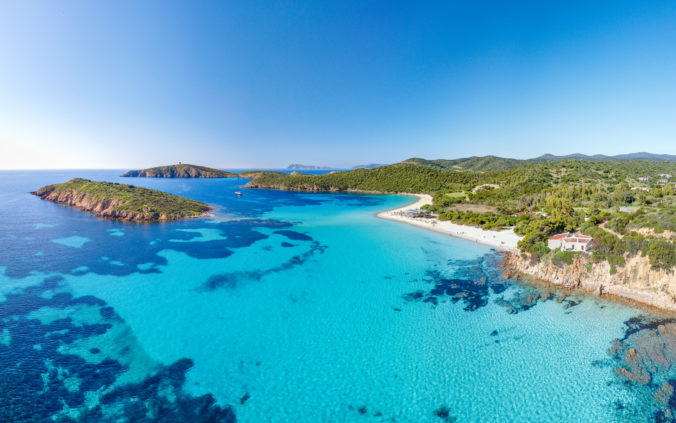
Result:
[[286, 307]]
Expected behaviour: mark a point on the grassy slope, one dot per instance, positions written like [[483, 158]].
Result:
[[528, 179], [181, 171], [393, 178], [471, 164], [258, 173], [525, 179], [133, 199]]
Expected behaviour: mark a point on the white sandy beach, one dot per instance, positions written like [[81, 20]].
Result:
[[503, 240]]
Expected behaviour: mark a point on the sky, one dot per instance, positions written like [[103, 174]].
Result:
[[246, 84]]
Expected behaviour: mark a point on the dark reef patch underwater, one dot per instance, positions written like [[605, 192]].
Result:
[[230, 280], [47, 372], [127, 251], [474, 282], [645, 358]]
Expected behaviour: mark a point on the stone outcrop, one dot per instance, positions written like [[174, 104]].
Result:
[[635, 281]]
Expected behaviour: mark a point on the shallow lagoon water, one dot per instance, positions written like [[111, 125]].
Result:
[[285, 307]]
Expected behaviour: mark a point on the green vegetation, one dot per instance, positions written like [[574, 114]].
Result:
[[259, 173], [487, 221], [474, 164], [393, 178], [604, 198], [122, 201], [561, 258], [180, 171], [662, 254]]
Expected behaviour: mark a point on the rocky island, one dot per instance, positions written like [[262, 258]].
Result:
[[180, 171], [122, 201]]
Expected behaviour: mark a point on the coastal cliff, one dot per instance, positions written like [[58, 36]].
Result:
[[122, 202], [634, 281], [180, 171]]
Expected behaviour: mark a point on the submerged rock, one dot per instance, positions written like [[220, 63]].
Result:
[[664, 394], [616, 348], [509, 307], [444, 413], [244, 398], [646, 356], [641, 377], [667, 329], [637, 372]]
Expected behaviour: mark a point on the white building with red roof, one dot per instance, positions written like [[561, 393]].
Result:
[[570, 242]]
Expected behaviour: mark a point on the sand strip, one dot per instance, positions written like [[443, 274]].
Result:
[[502, 240]]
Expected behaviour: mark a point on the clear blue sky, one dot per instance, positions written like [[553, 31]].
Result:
[[125, 84]]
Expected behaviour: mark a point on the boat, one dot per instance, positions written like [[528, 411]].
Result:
[[239, 193]]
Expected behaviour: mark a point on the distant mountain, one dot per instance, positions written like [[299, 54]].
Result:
[[494, 163], [575, 156], [620, 157], [179, 171], [474, 163], [296, 166], [369, 166], [646, 156]]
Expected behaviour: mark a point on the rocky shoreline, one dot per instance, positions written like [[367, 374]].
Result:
[[110, 208], [635, 282]]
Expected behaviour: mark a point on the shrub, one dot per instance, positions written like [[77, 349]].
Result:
[[564, 257]]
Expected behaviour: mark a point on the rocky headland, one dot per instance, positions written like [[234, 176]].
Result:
[[122, 201], [180, 171]]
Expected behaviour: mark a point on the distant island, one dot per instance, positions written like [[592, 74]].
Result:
[[180, 171], [122, 201], [296, 166]]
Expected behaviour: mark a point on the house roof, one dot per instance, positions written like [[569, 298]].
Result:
[[582, 240], [567, 237], [559, 236]]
